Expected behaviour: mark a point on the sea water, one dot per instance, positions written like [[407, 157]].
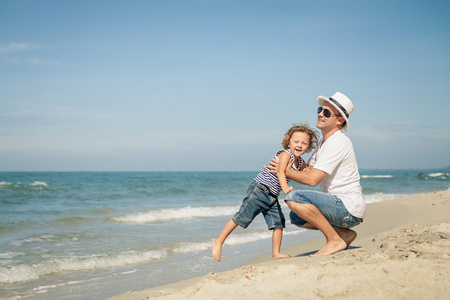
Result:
[[91, 235]]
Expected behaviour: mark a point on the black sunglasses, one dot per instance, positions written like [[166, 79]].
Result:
[[326, 112]]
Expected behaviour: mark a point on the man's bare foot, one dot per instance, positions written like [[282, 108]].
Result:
[[346, 234], [331, 247], [280, 256], [217, 250]]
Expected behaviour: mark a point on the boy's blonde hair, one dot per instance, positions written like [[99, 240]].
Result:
[[313, 136]]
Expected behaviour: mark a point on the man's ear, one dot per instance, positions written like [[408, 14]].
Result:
[[341, 121]]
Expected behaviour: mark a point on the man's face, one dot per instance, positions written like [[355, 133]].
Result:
[[330, 122]]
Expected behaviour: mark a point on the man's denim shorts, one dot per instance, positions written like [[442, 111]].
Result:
[[330, 206], [259, 200]]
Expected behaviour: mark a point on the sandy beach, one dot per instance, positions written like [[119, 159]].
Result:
[[402, 252]]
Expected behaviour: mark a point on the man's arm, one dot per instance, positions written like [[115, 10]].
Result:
[[308, 176]]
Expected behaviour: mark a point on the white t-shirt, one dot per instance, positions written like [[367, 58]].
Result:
[[336, 157]]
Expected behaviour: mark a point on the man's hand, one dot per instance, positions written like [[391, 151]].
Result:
[[307, 168], [272, 166]]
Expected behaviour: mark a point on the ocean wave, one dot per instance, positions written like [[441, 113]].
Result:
[[39, 184], [232, 240], [35, 184], [28, 272], [376, 176], [256, 236], [439, 175], [9, 255], [45, 288], [379, 197], [176, 214], [35, 271], [39, 239], [72, 220]]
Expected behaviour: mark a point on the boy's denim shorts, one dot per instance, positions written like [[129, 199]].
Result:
[[259, 200], [330, 206]]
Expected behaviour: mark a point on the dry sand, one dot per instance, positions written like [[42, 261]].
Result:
[[402, 252]]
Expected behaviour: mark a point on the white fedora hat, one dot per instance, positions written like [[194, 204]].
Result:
[[342, 104]]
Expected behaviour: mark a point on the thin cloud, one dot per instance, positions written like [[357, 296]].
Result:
[[22, 47], [11, 60], [15, 47], [35, 61]]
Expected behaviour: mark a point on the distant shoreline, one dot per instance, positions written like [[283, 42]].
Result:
[[361, 170]]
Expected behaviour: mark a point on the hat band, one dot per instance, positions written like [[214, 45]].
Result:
[[340, 106]]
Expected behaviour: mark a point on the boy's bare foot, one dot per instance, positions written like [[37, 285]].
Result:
[[346, 234], [217, 250], [331, 247], [280, 256]]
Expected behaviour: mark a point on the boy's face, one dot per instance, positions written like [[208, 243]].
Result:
[[299, 143]]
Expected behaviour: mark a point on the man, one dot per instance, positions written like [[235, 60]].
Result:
[[333, 165]]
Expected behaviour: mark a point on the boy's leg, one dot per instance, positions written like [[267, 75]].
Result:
[[276, 222], [255, 201], [277, 236], [217, 245]]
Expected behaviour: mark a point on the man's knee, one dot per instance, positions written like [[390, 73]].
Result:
[[296, 206], [289, 203], [292, 204]]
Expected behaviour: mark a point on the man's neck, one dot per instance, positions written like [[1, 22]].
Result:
[[327, 134]]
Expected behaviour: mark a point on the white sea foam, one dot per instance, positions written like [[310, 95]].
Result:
[[442, 175], [25, 272], [45, 288], [42, 238], [39, 184], [36, 184], [28, 272], [7, 255], [379, 197], [176, 214], [376, 176], [232, 240], [256, 236]]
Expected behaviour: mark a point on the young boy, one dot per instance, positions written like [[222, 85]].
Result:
[[262, 194]]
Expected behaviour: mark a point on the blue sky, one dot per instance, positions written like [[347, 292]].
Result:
[[213, 85]]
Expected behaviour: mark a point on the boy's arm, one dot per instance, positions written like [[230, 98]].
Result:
[[283, 161]]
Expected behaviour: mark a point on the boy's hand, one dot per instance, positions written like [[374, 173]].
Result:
[[288, 190]]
